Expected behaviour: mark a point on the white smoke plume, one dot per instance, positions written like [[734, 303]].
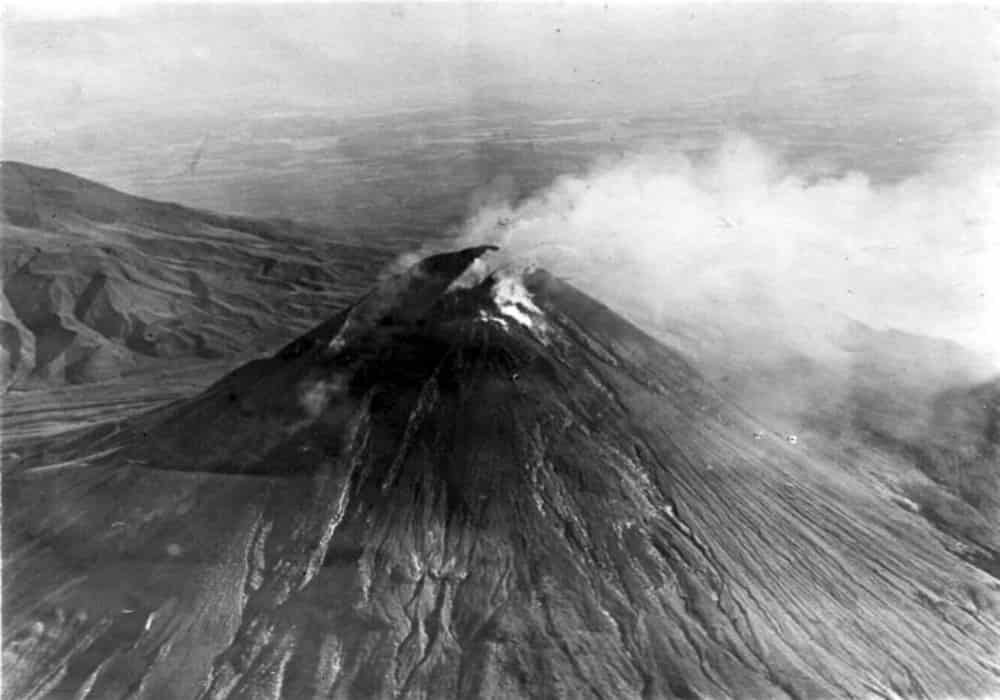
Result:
[[514, 301], [743, 241], [315, 395]]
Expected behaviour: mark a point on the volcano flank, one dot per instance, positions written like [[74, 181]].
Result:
[[475, 484]]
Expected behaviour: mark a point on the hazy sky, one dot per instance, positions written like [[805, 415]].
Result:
[[888, 75], [817, 59]]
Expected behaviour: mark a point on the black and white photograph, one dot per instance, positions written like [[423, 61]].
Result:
[[499, 350]]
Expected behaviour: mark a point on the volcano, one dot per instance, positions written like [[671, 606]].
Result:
[[475, 483]]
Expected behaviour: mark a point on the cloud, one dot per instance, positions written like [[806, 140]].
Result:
[[741, 238]]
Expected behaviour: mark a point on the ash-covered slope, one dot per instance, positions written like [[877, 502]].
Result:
[[98, 283], [475, 487]]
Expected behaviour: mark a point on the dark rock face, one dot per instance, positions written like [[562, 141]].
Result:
[[466, 487]]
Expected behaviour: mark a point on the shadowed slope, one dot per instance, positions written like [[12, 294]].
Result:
[[465, 488]]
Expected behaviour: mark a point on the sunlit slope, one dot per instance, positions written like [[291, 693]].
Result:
[[472, 485]]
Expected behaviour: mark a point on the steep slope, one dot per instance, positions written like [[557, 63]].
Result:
[[97, 283], [471, 485]]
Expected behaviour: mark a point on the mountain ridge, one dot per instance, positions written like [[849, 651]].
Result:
[[99, 284]]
